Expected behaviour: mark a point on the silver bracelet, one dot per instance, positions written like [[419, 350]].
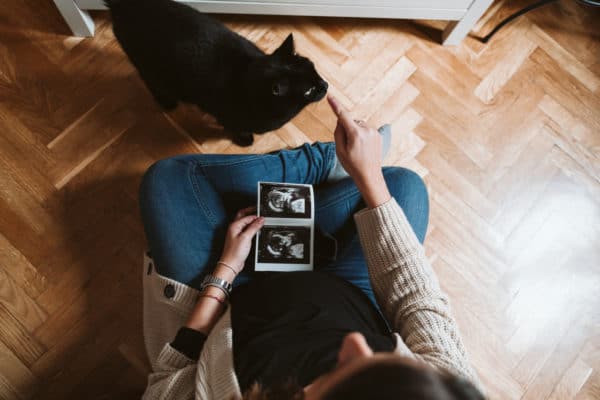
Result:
[[221, 288], [211, 280]]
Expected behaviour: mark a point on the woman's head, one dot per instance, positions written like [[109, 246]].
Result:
[[362, 374]]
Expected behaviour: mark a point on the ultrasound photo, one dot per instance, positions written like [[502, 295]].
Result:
[[285, 201], [284, 244]]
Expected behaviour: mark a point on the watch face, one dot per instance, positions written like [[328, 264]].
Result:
[[226, 284]]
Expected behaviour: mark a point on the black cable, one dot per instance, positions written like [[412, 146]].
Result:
[[516, 15]]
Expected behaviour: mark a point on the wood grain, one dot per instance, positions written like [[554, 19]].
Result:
[[506, 136]]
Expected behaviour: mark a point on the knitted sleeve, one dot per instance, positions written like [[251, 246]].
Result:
[[407, 289], [173, 377]]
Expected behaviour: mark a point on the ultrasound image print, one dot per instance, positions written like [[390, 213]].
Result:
[[284, 244], [285, 201]]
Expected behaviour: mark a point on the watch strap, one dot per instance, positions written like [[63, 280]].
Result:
[[211, 280]]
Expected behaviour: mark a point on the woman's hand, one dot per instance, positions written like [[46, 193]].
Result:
[[238, 240], [358, 148]]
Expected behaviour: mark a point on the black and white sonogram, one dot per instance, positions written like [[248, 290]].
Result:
[[284, 244], [285, 201]]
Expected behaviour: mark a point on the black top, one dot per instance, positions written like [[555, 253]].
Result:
[[292, 325]]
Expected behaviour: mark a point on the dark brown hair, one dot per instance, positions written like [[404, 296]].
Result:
[[400, 381], [380, 382]]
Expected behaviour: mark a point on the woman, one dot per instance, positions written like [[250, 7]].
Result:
[[369, 322]]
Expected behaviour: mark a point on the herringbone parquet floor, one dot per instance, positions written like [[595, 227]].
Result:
[[506, 135]]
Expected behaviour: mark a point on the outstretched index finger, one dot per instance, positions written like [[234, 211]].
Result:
[[344, 117]]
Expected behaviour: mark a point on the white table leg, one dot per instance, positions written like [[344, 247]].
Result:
[[78, 20], [456, 31]]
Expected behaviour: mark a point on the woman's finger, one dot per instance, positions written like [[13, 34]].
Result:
[[339, 135], [253, 228], [343, 116], [238, 226], [334, 104], [245, 211]]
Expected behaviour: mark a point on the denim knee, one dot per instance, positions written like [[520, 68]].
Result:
[[398, 177], [410, 192], [157, 177]]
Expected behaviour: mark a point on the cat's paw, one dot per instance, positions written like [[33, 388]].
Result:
[[244, 139]]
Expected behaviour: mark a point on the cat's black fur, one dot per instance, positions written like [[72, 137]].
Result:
[[186, 56]]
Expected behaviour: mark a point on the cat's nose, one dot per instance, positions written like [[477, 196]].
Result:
[[321, 91]]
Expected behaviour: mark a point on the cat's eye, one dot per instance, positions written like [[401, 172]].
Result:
[[276, 90], [309, 92]]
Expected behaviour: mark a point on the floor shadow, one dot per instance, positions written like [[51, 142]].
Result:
[[99, 246], [41, 17], [418, 28], [568, 19]]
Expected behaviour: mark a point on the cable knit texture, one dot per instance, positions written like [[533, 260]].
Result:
[[407, 289], [403, 281]]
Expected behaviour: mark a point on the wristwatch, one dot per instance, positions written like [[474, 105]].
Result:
[[211, 280]]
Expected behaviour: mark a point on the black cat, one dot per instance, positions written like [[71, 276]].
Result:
[[185, 55]]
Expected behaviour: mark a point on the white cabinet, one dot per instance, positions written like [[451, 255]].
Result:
[[462, 13]]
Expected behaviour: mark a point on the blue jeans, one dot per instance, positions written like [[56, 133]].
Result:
[[187, 203]]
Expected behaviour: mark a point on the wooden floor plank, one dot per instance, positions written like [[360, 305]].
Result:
[[505, 135], [16, 380], [18, 337], [23, 273]]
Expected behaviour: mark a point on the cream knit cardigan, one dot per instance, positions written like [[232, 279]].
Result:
[[404, 284]]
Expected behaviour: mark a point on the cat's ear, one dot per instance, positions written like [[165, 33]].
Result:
[[287, 47]]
